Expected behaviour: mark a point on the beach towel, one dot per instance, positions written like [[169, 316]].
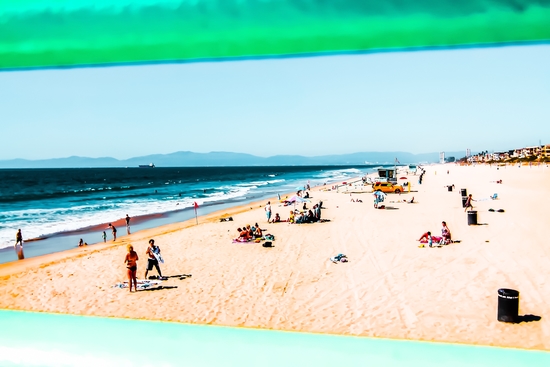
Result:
[[141, 284], [241, 240], [434, 239], [339, 258]]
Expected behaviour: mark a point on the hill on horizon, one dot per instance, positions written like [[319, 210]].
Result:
[[191, 159]]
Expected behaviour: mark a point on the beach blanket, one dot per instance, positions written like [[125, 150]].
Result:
[[339, 258], [141, 284], [241, 240], [435, 239]]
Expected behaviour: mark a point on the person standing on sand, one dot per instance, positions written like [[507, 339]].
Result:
[[19, 238], [131, 264], [152, 261], [128, 224], [104, 236], [113, 228], [468, 203], [268, 211]]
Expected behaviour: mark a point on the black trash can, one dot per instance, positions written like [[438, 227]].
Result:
[[472, 217], [463, 192], [450, 188], [508, 305], [464, 199]]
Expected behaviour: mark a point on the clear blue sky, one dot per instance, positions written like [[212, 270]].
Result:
[[429, 101]]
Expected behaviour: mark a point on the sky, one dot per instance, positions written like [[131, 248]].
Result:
[[425, 101]]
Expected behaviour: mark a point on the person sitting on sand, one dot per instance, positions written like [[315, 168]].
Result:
[[80, 243], [445, 234], [243, 234], [411, 201], [425, 236], [258, 233], [277, 218], [291, 218], [131, 264], [317, 212], [249, 231], [310, 217]]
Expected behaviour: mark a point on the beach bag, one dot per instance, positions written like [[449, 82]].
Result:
[[268, 244], [270, 237]]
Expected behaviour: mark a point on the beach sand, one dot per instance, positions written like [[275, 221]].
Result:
[[389, 288]]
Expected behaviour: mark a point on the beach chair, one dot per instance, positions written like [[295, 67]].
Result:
[[495, 196]]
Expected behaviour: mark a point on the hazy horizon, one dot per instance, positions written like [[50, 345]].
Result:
[[425, 101]]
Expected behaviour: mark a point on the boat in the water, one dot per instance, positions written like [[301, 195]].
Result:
[[150, 165]]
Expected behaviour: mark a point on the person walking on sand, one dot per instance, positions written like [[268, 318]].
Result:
[[268, 211], [131, 264], [104, 236], [468, 203], [113, 228], [128, 224], [152, 261], [19, 238]]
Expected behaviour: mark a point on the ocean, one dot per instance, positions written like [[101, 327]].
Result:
[[50, 202]]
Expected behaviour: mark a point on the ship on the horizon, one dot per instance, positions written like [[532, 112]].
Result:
[[150, 165]]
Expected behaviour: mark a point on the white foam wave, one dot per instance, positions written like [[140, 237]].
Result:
[[43, 222]]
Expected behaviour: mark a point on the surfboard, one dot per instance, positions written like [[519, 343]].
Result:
[[158, 256]]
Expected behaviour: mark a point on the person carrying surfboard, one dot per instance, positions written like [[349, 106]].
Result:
[[154, 257]]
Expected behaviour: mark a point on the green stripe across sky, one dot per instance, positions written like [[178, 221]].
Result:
[[64, 33]]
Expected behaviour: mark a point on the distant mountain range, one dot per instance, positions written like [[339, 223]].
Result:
[[191, 159]]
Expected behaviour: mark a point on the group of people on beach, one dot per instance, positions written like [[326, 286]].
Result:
[[153, 252], [311, 216], [248, 233], [445, 238]]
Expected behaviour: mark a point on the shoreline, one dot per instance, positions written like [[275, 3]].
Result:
[[69, 239]]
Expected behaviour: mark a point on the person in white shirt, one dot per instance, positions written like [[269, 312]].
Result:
[[268, 211]]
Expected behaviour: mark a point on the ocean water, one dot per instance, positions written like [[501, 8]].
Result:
[[43, 202]]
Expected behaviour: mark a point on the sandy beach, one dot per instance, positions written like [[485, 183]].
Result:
[[389, 288]]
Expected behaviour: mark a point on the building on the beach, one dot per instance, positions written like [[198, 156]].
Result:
[[441, 157]]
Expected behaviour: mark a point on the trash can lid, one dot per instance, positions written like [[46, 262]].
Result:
[[472, 211], [508, 293]]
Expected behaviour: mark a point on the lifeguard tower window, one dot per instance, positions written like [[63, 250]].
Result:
[[387, 173]]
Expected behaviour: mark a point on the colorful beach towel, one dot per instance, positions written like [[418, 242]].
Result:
[[339, 258], [141, 284], [435, 239]]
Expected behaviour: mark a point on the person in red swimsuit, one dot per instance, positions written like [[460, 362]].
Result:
[[131, 264]]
